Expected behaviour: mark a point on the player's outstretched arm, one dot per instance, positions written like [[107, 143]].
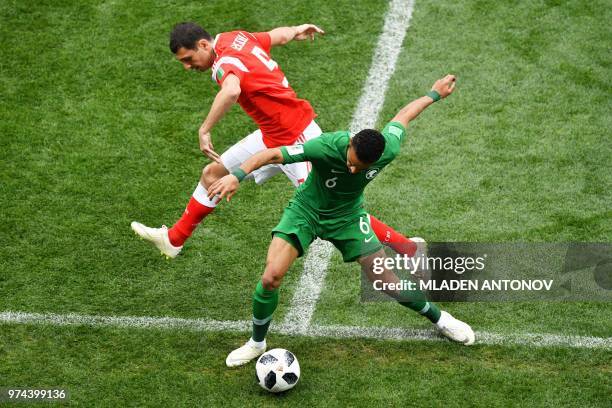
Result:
[[227, 186], [282, 35], [440, 90], [226, 97]]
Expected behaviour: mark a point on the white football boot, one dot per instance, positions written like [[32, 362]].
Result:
[[455, 329], [159, 238], [244, 354]]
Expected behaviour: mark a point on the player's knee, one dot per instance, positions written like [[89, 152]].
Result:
[[212, 172]]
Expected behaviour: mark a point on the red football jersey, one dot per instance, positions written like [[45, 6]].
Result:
[[266, 95]]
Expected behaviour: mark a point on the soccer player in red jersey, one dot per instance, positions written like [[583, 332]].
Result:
[[241, 65]]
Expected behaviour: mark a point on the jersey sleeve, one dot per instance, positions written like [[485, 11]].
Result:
[[293, 154], [229, 64], [264, 40], [394, 133], [312, 150]]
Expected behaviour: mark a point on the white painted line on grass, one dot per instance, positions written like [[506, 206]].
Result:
[[338, 332], [370, 103], [488, 338], [131, 322], [385, 57], [309, 287]]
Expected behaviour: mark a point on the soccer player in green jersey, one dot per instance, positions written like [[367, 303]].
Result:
[[329, 205]]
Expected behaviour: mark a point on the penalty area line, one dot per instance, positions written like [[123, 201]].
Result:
[[331, 331]]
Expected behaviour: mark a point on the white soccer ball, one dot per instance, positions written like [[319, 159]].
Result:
[[277, 370]]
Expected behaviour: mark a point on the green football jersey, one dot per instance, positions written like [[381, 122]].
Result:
[[331, 190]]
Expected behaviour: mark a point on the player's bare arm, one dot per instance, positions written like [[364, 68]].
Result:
[[443, 87], [226, 186], [282, 35], [226, 97]]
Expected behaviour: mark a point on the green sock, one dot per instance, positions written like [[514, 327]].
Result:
[[416, 301], [264, 304]]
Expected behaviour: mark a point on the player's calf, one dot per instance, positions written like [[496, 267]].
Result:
[[281, 255], [416, 300], [265, 302]]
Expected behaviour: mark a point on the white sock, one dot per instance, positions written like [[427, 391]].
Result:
[[257, 344], [201, 195]]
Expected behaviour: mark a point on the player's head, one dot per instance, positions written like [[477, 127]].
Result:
[[192, 46], [365, 148]]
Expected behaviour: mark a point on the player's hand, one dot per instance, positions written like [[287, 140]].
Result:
[[445, 86], [224, 187], [206, 146], [306, 31]]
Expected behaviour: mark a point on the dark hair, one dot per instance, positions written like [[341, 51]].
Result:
[[186, 35], [369, 145]]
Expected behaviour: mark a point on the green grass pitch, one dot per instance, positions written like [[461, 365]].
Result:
[[98, 127]]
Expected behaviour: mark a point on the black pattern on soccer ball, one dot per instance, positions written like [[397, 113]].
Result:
[[268, 359], [289, 358], [290, 378], [270, 380]]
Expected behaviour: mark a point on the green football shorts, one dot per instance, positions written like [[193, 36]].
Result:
[[351, 234]]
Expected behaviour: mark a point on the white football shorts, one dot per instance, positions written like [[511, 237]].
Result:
[[233, 157]]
